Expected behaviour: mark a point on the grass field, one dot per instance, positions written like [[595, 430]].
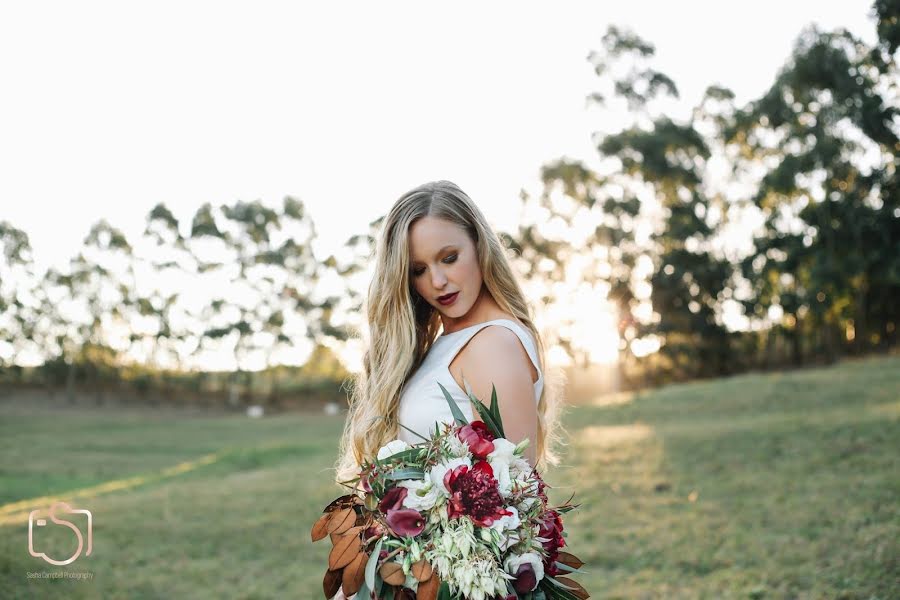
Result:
[[758, 486]]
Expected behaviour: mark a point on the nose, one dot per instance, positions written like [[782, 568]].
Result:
[[438, 280]]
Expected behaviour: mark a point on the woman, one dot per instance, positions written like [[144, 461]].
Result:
[[440, 266]]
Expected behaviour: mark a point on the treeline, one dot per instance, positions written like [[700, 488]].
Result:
[[782, 214]]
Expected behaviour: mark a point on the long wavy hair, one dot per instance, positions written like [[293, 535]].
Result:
[[403, 326]]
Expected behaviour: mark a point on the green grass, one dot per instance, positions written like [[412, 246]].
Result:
[[757, 486]]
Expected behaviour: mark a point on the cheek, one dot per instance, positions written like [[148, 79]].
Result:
[[417, 285], [468, 270]]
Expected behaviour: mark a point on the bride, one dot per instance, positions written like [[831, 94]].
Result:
[[440, 265]]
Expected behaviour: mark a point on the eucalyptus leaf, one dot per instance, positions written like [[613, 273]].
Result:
[[364, 591], [405, 473], [567, 569], [372, 565]]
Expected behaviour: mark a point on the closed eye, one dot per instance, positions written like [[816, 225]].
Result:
[[449, 260]]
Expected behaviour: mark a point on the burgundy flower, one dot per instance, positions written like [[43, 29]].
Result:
[[406, 521], [526, 579], [364, 476], [551, 529], [478, 437], [474, 493], [374, 529], [393, 499]]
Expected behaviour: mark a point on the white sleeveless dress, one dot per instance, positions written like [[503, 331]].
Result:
[[422, 404]]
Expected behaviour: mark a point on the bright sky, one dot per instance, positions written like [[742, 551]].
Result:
[[109, 107]]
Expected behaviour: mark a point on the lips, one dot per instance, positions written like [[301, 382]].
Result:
[[447, 298]]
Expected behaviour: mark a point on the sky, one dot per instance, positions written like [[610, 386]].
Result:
[[109, 108]]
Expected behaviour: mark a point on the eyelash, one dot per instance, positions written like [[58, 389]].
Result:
[[446, 260]]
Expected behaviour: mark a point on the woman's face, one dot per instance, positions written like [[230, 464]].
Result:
[[442, 261]]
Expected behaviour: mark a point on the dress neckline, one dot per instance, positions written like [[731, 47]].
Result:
[[444, 335]]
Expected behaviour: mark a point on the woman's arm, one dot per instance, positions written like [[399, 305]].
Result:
[[495, 356]]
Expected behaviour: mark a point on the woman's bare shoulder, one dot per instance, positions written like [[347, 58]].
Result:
[[481, 353]]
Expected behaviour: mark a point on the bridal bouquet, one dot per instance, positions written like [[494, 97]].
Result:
[[460, 515]]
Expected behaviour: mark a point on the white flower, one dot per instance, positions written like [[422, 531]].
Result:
[[457, 448], [422, 496], [392, 448], [506, 526], [500, 460], [507, 522], [503, 450], [520, 468], [437, 472], [514, 561]]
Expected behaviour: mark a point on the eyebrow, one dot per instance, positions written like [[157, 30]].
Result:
[[454, 246]]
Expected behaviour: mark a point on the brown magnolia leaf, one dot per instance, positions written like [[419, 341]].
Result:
[[342, 502], [570, 560], [364, 518], [392, 573], [428, 589], [354, 574], [352, 531], [341, 520], [421, 570], [577, 590], [356, 530], [320, 528], [331, 583], [345, 549]]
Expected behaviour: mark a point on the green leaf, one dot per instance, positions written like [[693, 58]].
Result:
[[560, 591], [404, 455], [487, 417], [454, 408], [444, 591], [567, 569], [406, 473], [495, 407], [414, 433], [372, 565], [364, 591]]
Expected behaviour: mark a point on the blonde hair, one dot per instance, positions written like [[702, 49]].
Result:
[[403, 326]]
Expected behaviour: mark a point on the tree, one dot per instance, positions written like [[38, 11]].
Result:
[[824, 138]]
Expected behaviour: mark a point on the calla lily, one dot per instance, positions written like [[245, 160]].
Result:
[[526, 579], [393, 499], [406, 522]]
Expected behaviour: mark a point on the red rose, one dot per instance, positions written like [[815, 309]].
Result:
[[478, 437], [474, 493]]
